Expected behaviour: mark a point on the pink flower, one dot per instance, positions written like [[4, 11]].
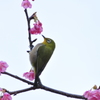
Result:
[[37, 29], [92, 95], [6, 96], [29, 75], [3, 66], [26, 4]]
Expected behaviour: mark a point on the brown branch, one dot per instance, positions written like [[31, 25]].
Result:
[[29, 35], [21, 79], [50, 90], [63, 93], [39, 85], [20, 91]]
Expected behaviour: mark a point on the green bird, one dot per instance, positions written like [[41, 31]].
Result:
[[40, 55]]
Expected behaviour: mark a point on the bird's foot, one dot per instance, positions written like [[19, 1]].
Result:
[[37, 83]]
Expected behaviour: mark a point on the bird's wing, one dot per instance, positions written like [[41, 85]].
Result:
[[43, 55]]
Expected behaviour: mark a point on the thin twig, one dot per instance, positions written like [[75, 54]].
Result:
[[21, 79], [20, 91], [29, 35]]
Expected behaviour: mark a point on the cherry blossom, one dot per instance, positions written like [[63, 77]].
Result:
[[26, 4], [92, 95], [3, 66], [4, 95], [37, 29], [29, 75]]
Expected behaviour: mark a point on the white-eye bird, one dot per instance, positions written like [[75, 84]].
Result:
[[40, 55]]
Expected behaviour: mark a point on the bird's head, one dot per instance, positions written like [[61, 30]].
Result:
[[48, 42]]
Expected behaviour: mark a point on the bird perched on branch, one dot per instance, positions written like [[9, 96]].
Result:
[[40, 55]]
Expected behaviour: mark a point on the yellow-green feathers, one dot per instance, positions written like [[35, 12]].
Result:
[[40, 54]]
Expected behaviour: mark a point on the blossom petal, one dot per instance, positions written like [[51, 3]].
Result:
[[29, 75], [26, 4], [92, 95], [37, 29], [3, 66], [6, 96]]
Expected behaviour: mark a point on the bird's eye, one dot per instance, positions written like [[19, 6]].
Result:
[[49, 41]]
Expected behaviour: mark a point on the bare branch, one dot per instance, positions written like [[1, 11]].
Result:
[[21, 79], [39, 85], [50, 90], [63, 93], [20, 91], [29, 35]]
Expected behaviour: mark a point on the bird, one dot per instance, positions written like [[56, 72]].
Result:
[[40, 55]]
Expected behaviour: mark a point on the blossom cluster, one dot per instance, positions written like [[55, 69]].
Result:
[[92, 94], [4, 95], [29, 75], [3, 66], [26, 4], [37, 26]]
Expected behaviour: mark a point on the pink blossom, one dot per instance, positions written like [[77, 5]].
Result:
[[92, 95], [3, 66], [26, 4], [37, 29], [6, 96], [29, 75]]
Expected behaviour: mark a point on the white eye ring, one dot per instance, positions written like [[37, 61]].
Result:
[[49, 41]]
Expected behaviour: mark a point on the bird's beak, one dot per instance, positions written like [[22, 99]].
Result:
[[43, 36], [44, 42]]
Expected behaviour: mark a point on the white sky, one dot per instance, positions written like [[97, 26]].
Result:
[[75, 27]]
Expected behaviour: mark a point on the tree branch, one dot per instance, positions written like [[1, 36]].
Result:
[[41, 86], [63, 93], [29, 35], [21, 79], [48, 89], [20, 91]]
